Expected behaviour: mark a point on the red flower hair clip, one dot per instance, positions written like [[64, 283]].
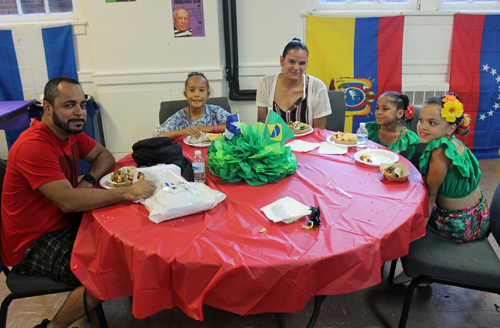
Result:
[[409, 113]]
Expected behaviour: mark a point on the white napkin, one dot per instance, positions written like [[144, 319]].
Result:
[[327, 148], [285, 210], [302, 146]]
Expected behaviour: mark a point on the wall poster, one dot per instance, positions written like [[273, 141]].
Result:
[[188, 18]]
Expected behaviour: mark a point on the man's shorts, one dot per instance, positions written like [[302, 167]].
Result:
[[51, 255]]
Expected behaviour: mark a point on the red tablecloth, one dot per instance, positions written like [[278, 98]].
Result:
[[220, 258]]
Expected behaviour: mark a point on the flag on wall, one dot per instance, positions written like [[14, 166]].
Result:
[[360, 56], [475, 77], [29, 57]]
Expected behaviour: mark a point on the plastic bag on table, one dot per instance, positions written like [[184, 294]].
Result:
[[175, 197]]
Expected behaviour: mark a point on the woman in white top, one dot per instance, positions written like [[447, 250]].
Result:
[[292, 94]]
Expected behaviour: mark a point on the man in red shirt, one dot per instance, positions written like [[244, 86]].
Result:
[[42, 199]]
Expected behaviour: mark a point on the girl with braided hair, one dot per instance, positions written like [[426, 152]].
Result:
[[387, 130]]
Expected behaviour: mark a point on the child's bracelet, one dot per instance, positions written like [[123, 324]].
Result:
[[215, 128]]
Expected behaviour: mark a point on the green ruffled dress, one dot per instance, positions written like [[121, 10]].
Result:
[[405, 142], [464, 224], [463, 178]]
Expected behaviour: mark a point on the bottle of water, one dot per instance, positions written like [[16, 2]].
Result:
[[156, 131], [198, 167], [362, 137]]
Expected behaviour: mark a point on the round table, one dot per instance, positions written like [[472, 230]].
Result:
[[223, 259]]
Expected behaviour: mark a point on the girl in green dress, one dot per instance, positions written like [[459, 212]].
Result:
[[387, 130], [457, 207]]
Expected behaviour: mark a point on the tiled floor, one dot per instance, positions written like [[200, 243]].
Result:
[[378, 306]]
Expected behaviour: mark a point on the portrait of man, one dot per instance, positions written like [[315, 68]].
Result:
[[181, 23]]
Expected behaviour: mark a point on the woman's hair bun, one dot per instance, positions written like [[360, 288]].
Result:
[[296, 39]]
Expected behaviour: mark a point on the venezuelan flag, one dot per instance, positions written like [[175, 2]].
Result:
[[360, 56], [475, 77]]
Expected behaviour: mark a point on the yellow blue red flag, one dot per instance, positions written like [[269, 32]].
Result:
[[360, 56], [275, 129]]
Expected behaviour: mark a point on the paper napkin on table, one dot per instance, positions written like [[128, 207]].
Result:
[[327, 148], [285, 210], [302, 146]]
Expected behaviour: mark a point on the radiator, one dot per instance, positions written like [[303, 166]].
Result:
[[418, 94]]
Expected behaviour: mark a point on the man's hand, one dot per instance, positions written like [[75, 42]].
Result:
[[84, 184], [139, 190]]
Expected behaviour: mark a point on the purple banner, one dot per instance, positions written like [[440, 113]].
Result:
[[188, 18]]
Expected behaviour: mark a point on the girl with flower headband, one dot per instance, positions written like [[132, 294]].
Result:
[[457, 207], [392, 107], [198, 117]]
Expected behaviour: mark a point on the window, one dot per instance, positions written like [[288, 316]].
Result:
[[465, 5], [404, 5], [35, 10], [378, 5]]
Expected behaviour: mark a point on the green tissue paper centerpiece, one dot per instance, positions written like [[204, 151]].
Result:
[[247, 157]]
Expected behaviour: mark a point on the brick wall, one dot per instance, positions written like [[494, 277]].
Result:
[[60, 6], [8, 7], [33, 6]]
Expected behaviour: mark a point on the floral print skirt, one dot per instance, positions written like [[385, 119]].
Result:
[[462, 225]]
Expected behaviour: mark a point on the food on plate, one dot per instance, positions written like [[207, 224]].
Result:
[[366, 158], [124, 176], [393, 171], [298, 127], [212, 136], [344, 138], [203, 138]]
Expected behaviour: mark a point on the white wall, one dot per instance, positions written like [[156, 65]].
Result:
[[129, 60]]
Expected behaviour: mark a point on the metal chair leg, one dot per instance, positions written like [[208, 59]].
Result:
[[392, 270], [4, 310], [318, 300], [101, 317], [408, 298]]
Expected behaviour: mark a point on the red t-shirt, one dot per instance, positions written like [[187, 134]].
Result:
[[36, 158]]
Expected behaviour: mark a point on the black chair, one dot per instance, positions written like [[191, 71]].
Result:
[[437, 259], [22, 286], [336, 120], [169, 108], [419, 149]]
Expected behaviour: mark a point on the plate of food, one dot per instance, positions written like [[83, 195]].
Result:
[[120, 178], [395, 171], [203, 141], [341, 138], [299, 129], [375, 157]]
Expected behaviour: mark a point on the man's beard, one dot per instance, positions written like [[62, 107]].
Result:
[[65, 126]]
